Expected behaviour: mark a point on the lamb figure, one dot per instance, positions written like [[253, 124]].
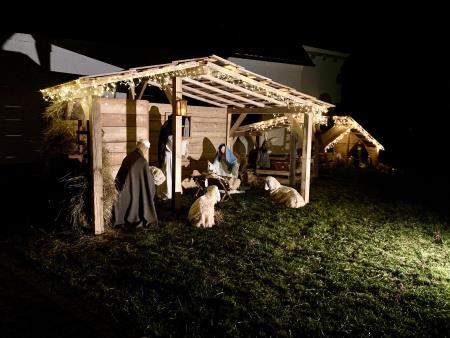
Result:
[[281, 194], [201, 213], [234, 183]]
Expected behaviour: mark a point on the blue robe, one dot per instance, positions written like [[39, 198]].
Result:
[[224, 164]]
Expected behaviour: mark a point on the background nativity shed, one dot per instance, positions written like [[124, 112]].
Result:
[[226, 86], [287, 139], [345, 135]]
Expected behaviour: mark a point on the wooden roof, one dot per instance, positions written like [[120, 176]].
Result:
[[343, 125], [258, 128], [212, 79]]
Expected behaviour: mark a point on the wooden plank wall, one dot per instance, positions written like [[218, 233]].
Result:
[[21, 125], [125, 121], [342, 145], [208, 131]]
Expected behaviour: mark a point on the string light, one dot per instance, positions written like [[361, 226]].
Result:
[[86, 86], [162, 76], [283, 122], [347, 121]]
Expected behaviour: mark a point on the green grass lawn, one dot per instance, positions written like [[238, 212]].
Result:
[[364, 257]]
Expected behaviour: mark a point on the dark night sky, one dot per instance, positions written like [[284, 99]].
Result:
[[395, 82]]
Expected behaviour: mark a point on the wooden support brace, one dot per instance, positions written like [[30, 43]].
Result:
[[306, 157], [177, 94], [96, 165]]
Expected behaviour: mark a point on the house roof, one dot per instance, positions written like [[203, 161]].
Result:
[[212, 79], [227, 43], [343, 125], [290, 54]]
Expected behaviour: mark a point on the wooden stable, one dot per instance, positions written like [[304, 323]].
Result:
[[227, 87], [294, 139], [344, 135], [126, 121]]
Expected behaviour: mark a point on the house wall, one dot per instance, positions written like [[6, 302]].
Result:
[[27, 64], [20, 129], [323, 77], [56, 59], [287, 74]]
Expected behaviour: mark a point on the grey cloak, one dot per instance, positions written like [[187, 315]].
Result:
[[135, 204]]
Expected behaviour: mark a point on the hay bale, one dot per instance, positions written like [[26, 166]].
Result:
[[57, 110], [60, 137], [109, 187], [75, 207]]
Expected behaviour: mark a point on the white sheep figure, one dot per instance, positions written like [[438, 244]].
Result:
[[201, 213], [283, 195]]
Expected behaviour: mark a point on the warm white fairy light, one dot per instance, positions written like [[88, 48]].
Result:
[[283, 122], [98, 86], [275, 94], [347, 121], [337, 139], [277, 122], [162, 76]]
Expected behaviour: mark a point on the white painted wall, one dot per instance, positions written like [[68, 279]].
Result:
[[61, 60], [323, 77], [308, 79], [287, 74]]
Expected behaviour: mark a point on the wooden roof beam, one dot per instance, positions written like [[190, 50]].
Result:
[[243, 90], [220, 91], [134, 73], [214, 103], [237, 123], [308, 100], [263, 111], [214, 97], [142, 89]]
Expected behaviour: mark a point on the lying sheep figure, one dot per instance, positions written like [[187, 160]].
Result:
[[158, 175], [234, 182], [283, 195], [201, 213]]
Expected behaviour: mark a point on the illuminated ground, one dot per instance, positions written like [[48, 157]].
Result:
[[369, 255]]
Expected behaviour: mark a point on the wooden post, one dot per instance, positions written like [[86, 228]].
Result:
[[292, 157], [132, 91], [238, 122], [141, 93], [96, 165], [306, 156], [228, 133], [177, 94], [292, 150], [317, 147], [348, 150]]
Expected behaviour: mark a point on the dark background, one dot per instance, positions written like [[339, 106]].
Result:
[[394, 83]]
